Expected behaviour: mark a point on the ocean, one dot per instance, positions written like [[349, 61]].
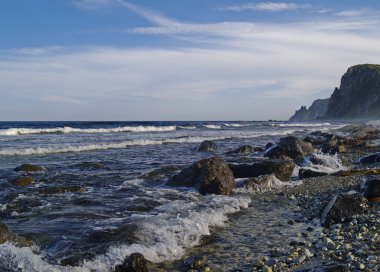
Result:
[[102, 195]]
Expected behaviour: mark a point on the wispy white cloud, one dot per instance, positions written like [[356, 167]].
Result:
[[92, 4], [354, 12], [266, 6]]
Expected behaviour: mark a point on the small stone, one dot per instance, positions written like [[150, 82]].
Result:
[[259, 263], [267, 269], [361, 266]]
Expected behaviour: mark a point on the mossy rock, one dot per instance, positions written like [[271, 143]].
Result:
[[23, 181], [8, 236], [30, 168]]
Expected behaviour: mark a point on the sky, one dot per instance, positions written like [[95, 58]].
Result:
[[177, 59]]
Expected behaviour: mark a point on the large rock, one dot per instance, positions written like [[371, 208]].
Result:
[[323, 266], [280, 168], [308, 173], [245, 149], [207, 146], [30, 168], [374, 158], [371, 188], [209, 176], [263, 183], [136, 262], [343, 207], [291, 147]]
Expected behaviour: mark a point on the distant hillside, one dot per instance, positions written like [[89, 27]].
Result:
[[358, 97], [316, 110]]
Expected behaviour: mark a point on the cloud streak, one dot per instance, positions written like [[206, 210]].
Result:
[[265, 6]]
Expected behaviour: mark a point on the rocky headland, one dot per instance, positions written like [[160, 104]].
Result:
[[358, 97]]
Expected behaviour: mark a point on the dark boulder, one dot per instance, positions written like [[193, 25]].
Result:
[[371, 189], [291, 147], [269, 145], [207, 146], [22, 181], [374, 158], [308, 173], [88, 166], [343, 207], [30, 168], [209, 176], [323, 266], [61, 190], [245, 149], [263, 183], [136, 262], [282, 169]]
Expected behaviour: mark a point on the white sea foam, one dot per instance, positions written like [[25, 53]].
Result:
[[233, 125], [187, 127], [212, 126], [26, 131], [330, 163], [169, 234]]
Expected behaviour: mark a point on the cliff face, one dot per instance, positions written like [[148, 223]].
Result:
[[358, 96], [315, 111]]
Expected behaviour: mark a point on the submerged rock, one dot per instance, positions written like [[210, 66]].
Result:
[[161, 173], [7, 236], [308, 173], [195, 262], [136, 262], [343, 207], [245, 149], [374, 158], [61, 190], [209, 176], [323, 266], [371, 189], [86, 166], [280, 168], [30, 168], [291, 147], [263, 183], [207, 146], [22, 181]]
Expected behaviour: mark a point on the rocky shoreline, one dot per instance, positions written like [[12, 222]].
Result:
[[350, 243], [328, 222]]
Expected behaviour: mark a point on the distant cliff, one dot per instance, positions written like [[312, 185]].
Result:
[[316, 111], [358, 97]]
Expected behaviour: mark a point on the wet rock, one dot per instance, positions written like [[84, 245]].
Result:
[[195, 262], [269, 145], [291, 147], [343, 207], [308, 173], [8, 236], [209, 176], [245, 149], [208, 146], [22, 181], [30, 168], [87, 166], [280, 168], [323, 266], [371, 188], [161, 173], [263, 183], [374, 158], [136, 262], [345, 173], [61, 190], [207, 239]]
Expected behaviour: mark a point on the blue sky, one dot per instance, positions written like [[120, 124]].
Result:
[[177, 60]]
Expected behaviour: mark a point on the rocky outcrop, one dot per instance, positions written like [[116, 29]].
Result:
[[22, 181], [358, 95], [343, 207], [30, 168], [209, 176], [315, 111]]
